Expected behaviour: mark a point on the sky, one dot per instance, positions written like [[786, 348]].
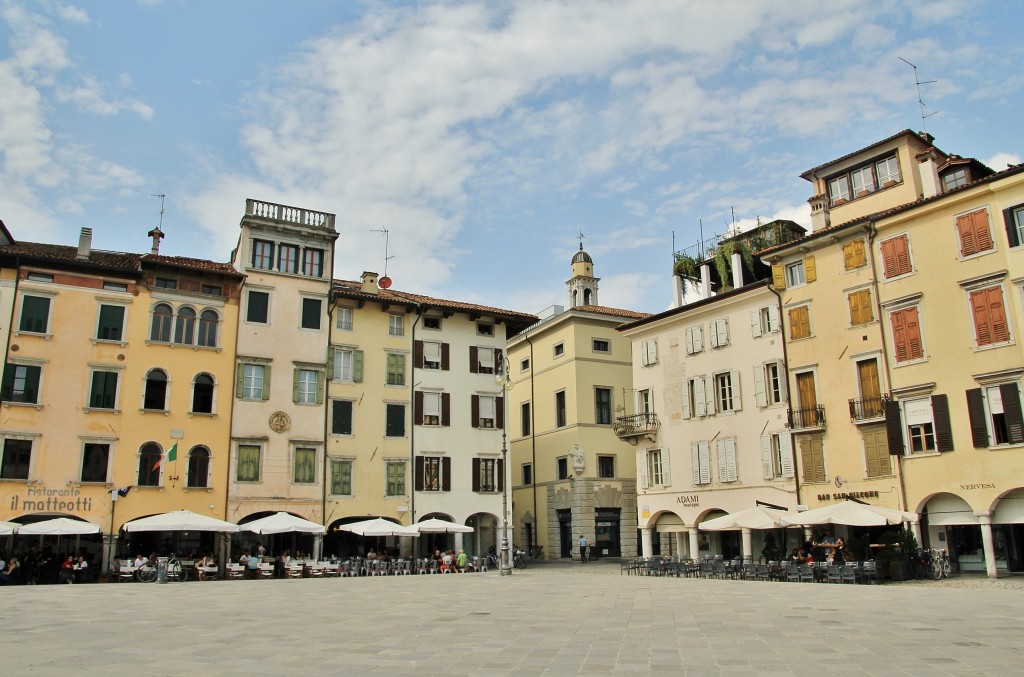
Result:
[[485, 137]]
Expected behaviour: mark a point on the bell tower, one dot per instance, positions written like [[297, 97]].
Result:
[[582, 285]]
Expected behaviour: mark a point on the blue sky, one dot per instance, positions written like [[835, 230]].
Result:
[[485, 136]]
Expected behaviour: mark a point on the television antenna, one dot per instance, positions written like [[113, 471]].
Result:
[[920, 101], [161, 196], [384, 281]]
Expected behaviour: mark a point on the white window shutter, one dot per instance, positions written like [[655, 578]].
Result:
[[722, 327], [698, 339], [709, 395], [773, 319], [654, 352], [642, 471], [643, 353], [737, 404], [705, 463], [699, 399], [760, 396], [783, 380], [686, 398], [723, 467], [766, 457], [730, 460], [689, 341], [786, 455], [755, 323], [695, 453], [713, 334], [666, 468]]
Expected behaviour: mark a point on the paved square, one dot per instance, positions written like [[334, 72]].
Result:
[[551, 619]]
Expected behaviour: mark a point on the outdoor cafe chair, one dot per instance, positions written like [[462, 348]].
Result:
[[763, 572], [125, 571], [316, 570], [806, 573], [869, 572], [835, 573], [332, 569], [235, 572], [793, 573], [719, 569], [293, 571], [749, 571], [850, 572], [266, 570]]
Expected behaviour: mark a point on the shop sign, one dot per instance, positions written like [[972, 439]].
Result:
[[848, 494], [41, 498], [689, 500], [983, 485]]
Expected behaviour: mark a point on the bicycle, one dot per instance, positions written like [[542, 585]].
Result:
[[519, 559], [147, 573], [536, 552], [940, 563]]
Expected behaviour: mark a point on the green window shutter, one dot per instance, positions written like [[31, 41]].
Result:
[[295, 385], [330, 362], [239, 379], [320, 387], [266, 382], [357, 366]]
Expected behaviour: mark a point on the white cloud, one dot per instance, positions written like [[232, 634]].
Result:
[[634, 290], [999, 161], [72, 14]]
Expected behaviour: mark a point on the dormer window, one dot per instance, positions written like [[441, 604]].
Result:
[[431, 322], [863, 180], [955, 179]]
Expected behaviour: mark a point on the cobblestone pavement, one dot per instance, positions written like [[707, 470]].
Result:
[[550, 619]]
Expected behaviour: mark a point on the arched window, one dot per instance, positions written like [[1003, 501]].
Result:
[[185, 327], [155, 397], [202, 394], [208, 320], [586, 297], [149, 468], [198, 468], [163, 317]]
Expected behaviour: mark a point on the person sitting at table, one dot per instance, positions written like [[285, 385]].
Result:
[[372, 554], [446, 562], [252, 566], [141, 560], [81, 570], [797, 556], [201, 565], [838, 554], [461, 561], [7, 575], [67, 570]]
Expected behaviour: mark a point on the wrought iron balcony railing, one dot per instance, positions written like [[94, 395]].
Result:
[[868, 408], [636, 425], [809, 417]]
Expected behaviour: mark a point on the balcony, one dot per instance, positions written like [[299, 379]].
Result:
[[632, 427], [868, 409], [810, 418]]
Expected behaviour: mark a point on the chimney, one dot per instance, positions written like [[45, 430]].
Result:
[[85, 244], [820, 218], [369, 283], [929, 170], [157, 235]]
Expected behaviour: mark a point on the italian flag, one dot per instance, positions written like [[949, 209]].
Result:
[[171, 455]]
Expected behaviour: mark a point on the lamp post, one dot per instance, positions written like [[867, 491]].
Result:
[[501, 377]]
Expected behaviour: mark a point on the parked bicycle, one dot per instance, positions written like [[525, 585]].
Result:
[[931, 563], [147, 573], [536, 551], [519, 559]]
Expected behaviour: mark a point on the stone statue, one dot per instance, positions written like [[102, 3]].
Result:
[[578, 460]]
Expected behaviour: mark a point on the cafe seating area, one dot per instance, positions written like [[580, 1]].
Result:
[[722, 569]]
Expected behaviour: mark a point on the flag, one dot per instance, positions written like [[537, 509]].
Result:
[[171, 455], [123, 491]]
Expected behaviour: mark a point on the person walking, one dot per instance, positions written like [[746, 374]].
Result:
[[583, 549]]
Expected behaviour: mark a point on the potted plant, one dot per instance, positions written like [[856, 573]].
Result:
[[894, 557]]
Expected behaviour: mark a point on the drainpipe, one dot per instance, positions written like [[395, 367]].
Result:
[[789, 390], [412, 415], [533, 442], [331, 299]]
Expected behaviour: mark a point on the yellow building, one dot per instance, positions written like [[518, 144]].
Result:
[[571, 474]]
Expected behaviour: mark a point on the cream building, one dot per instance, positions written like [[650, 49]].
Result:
[[571, 474]]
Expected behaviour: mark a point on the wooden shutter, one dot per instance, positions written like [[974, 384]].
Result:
[[320, 383], [330, 362], [666, 468], [755, 323], [266, 382], [695, 461], [709, 396], [417, 354], [871, 455], [976, 414], [854, 255], [767, 468], [734, 381], [1012, 413], [685, 403], [474, 411], [810, 271], [474, 365], [689, 341], [419, 473], [446, 409], [357, 366], [799, 323], [704, 450], [445, 357], [894, 428], [476, 472], [641, 469], [446, 473], [943, 429], [499, 413], [239, 379], [906, 335], [786, 456], [295, 385], [778, 276], [417, 407], [990, 324], [760, 394], [861, 311], [974, 233], [1012, 237]]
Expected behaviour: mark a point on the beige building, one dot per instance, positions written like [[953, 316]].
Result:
[[571, 377]]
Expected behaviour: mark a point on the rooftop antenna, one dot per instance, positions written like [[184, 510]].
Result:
[[157, 233], [920, 101], [385, 281]]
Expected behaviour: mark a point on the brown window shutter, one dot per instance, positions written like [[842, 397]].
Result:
[[499, 413], [445, 362], [1012, 412], [474, 365], [446, 473], [889, 258], [915, 348], [1011, 228], [417, 354], [417, 408], [943, 429], [976, 414], [982, 327], [894, 428], [899, 336], [474, 411], [476, 474], [446, 409], [965, 228], [979, 225], [902, 251], [501, 474], [989, 316], [419, 473]]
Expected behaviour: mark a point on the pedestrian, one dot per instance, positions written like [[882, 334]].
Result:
[[583, 549]]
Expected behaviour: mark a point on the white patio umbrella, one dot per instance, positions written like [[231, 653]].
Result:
[[378, 527], [282, 522], [758, 517], [8, 528], [180, 520], [59, 526], [850, 513], [439, 526]]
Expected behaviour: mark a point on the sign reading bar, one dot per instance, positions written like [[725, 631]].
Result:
[[845, 495]]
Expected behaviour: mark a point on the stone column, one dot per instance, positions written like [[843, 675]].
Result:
[[318, 546], [109, 546], [458, 542], [985, 522], [680, 541], [646, 544], [694, 543], [747, 545], [916, 528]]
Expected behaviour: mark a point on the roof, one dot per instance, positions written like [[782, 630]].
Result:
[[63, 254], [617, 312], [194, 264], [923, 136], [696, 304], [582, 256]]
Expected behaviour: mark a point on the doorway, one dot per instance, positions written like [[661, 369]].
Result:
[[565, 532]]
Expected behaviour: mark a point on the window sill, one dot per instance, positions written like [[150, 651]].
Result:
[[33, 405], [977, 255], [208, 490], [162, 412], [1001, 447], [993, 346], [98, 410], [896, 278], [340, 496], [342, 435], [202, 414], [43, 335], [110, 342], [916, 454], [907, 363]]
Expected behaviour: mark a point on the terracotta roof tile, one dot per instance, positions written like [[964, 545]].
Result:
[[194, 264], [617, 312], [63, 254], [354, 289]]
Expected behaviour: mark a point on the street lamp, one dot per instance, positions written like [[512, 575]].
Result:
[[501, 377]]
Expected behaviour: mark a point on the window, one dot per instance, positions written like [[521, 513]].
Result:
[[115, 286], [896, 259], [288, 258], [248, 469], [396, 325], [887, 171], [920, 428], [698, 398], [605, 466], [433, 473], [488, 475], [769, 384], [995, 415], [657, 468], [341, 477], [906, 335], [767, 321], [396, 369], [795, 274], [694, 339], [838, 190], [110, 325], [154, 396], [431, 355], [202, 394], [990, 325], [854, 255], [253, 382], [103, 390], [211, 289], [727, 471], [718, 333], [1013, 220], [262, 254], [21, 383], [431, 408], [524, 364], [562, 467], [914, 426], [395, 421], [776, 456], [603, 406], [185, 327], [559, 349], [974, 233], [524, 418], [313, 262], [165, 283], [602, 346], [485, 411], [482, 359], [258, 307], [35, 314], [799, 322], [306, 387], [861, 309], [864, 179], [149, 465], [344, 322], [311, 313], [727, 391], [955, 179], [341, 417], [17, 459], [395, 471], [208, 321], [40, 277], [348, 365], [485, 329], [643, 402], [163, 319], [560, 409], [812, 457], [95, 460], [304, 466], [649, 352], [527, 473], [431, 322], [198, 473]]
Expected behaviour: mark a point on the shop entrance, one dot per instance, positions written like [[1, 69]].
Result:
[[565, 532], [607, 542]]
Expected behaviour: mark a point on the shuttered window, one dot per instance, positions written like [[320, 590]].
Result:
[[701, 459], [896, 256], [975, 236], [990, 324], [727, 471], [876, 454], [861, 311], [812, 457], [799, 322], [906, 335], [853, 255]]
